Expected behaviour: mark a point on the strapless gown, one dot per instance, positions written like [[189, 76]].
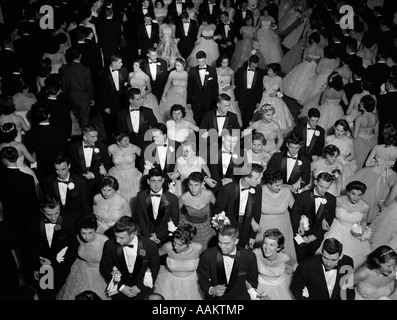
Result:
[[340, 230], [173, 287], [208, 45], [200, 218], [384, 226], [269, 50], [366, 291], [223, 82], [180, 135], [127, 175], [365, 141], [168, 49], [330, 111], [243, 49], [106, 218]]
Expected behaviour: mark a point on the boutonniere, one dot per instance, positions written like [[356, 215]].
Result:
[[323, 201], [235, 156], [316, 133], [171, 149], [305, 222], [207, 73], [210, 78], [299, 163], [142, 252], [158, 63], [70, 185], [58, 225], [96, 150], [252, 190], [165, 202], [305, 292]]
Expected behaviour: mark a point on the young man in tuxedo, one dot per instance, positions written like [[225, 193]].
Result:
[[323, 277], [69, 188], [176, 8], [313, 136], [90, 159], [109, 35], [136, 119], [186, 34], [131, 254], [202, 87], [385, 104], [227, 35], [155, 208], [249, 88], [112, 83], [241, 201], [241, 13], [161, 153], [318, 206], [294, 166], [211, 9], [156, 69], [225, 270], [53, 244], [148, 35], [379, 72]]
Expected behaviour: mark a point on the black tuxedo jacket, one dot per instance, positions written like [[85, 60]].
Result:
[[301, 170], [91, 57], [305, 205], [232, 33], [202, 97], [144, 42], [161, 77], [387, 109], [60, 114], [8, 59], [211, 272], [272, 9], [316, 145], [138, 12], [378, 73], [110, 97], [239, 20], [172, 11], [355, 62], [310, 274], [147, 257], [168, 210], [109, 37], [146, 120], [149, 153], [204, 9], [210, 121], [186, 42], [228, 200], [77, 201], [64, 237]]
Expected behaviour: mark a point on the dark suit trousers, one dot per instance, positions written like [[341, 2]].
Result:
[[81, 106], [247, 106], [140, 296]]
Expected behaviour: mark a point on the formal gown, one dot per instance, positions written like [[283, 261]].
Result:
[[275, 214], [208, 45], [364, 143], [84, 273], [178, 133], [150, 100], [167, 48], [274, 281], [384, 226], [282, 116], [243, 48], [341, 230], [269, 50], [330, 111], [379, 179], [345, 146], [106, 218], [321, 165], [223, 82], [366, 291], [288, 19], [126, 174], [175, 287], [200, 218]]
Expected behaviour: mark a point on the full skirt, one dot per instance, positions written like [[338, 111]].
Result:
[[129, 180]]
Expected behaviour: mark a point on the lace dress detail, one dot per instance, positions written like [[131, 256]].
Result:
[[365, 141], [366, 291], [269, 50], [330, 111], [384, 226], [168, 49], [206, 44], [106, 218]]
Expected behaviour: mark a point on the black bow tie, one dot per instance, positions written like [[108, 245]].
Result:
[[202, 68], [226, 24], [244, 10], [334, 268], [310, 128], [152, 62], [130, 246], [164, 145], [62, 181], [230, 255], [132, 110], [86, 146], [322, 197], [114, 70], [228, 152], [148, 24], [187, 22], [155, 195], [46, 221], [290, 157], [221, 116], [250, 69], [243, 189]]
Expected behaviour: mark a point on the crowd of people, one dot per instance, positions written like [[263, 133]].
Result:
[[198, 149]]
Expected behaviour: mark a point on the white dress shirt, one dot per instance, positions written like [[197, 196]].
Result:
[[179, 8], [228, 264], [88, 156], [317, 200], [130, 254], [226, 158], [115, 76], [221, 122], [250, 78], [49, 231], [156, 203], [244, 14], [149, 30], [186, 27], [134, 115], [227, 29], [211, 7], [162, 154], [290, 165], [243, 199], [309, 135], [153, 69], [63, 189], [330, 278], [202, 75]]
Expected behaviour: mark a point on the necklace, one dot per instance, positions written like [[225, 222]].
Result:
[[351, 204]]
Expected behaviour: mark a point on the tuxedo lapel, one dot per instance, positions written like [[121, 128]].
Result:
[[234, 274], [312, 203], [295, 171], [56, 188], [138, 261], [320, 212], [245, 79], [254, 79], [227, 119], [236, 205], [162, 208], [304, 136], [43, 237], [121, 259], [68, 193], [129, 122], [82, 158], [149, 207], [220, 269], [321, 278], [215, 118], [283, 166], [220, 160], [206, 77], [312, 143], [198, 78], [111, 79]]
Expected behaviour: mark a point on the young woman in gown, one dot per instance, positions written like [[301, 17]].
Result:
[[272, 93], [257, 153], [160, 11], [347, 156], [178, 128], [8, 114], [378, 172], [140, 80], [276, 199], [344, 70], [175, 92], [244, 47], [178, 279], [263, 122], [351, 209], [123, 155], [195, 206], [84, 272], [376, 280], [366, 128], [226, 84], [168, 48], [205, 42], [109, 206], [275, 266]]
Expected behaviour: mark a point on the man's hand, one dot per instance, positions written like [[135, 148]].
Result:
[[36, 275], [173, 175], [127, 291], [223, 45], [139, 52], [154, 238], [225, 181], [229, 43], [134, 290], [251, 243], [311, 238], [89, 175], [92, 102], [218, 290], [324, 225], [107, 110], [45, 261], [301, 230], [210, 182]]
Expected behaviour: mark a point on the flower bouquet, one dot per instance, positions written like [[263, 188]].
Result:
[[305, 223], [172, 188], [113, 284], [358, 232], [336, 173], [262, 296], [220, 220]]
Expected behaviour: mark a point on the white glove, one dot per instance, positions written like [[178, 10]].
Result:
[[253, 294]]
